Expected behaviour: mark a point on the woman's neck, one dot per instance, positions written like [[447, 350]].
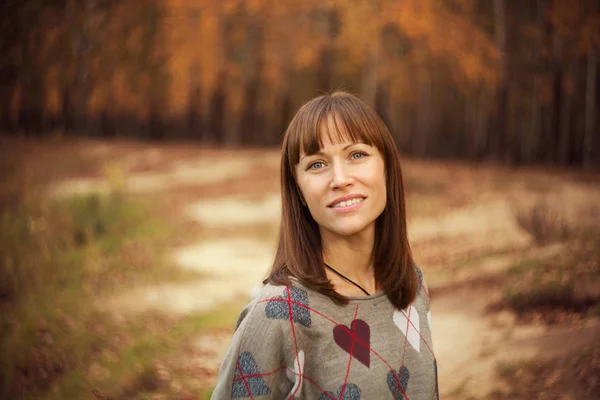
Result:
[[351, 256]]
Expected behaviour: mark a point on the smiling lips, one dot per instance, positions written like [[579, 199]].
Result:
[[347, 203]]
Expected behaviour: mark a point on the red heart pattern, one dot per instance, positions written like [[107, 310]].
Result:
[[346, 338]]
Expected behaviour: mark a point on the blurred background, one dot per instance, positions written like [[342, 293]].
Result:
[[139, 197]]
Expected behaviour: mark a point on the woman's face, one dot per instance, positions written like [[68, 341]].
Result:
[[343, 186]]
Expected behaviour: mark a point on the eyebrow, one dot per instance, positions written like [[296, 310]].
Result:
[[320, 153]]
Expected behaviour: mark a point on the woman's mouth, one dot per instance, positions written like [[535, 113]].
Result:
[[348, 202], [348, 205]]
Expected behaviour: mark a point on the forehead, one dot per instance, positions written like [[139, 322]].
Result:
[[333, 141], [333, 130], [337, 142]]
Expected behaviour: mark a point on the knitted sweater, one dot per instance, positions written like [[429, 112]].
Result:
[[295, 343]]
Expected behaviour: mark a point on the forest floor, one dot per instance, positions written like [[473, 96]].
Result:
[[511, 257]]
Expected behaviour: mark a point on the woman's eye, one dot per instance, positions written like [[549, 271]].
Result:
[[357, 155], [316, 165]]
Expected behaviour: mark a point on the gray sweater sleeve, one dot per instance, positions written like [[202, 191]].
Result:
[[255, 362]]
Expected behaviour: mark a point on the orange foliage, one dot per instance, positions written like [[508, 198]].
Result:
[[198, 40]]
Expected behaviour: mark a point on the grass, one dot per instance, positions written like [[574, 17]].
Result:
[[128, 365], [542, 222], [474, 259], [423, 206], [547, 296], [459, 390], [419, 186], [58, 257], [570, 376], [553, 289]]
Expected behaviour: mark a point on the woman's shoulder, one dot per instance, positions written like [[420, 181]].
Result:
[[269, 290], [271, 303], [422, 288], [295, 291]]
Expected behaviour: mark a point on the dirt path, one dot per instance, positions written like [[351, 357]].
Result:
[[232, 265], [468, 343]]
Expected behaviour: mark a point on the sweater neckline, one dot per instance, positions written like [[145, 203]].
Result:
[[369, 297], [373, 296]]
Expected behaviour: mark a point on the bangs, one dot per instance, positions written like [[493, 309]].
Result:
[[337, 119]]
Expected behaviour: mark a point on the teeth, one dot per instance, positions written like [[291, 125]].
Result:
[[348, 202]]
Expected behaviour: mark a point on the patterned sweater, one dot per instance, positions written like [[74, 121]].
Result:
[[295, 343]]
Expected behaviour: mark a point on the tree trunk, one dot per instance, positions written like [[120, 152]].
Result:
[[590, 107], [217, 105], [382, 105], [531, 139], [231, 85], [498, 144], [482, 104], [469, 112], [370, 80], [251, 131], [194, 105], [329, 28], [252, 66], [552, 142], [281, 106], [32, 81], [195, 122], [217, 111], [7, 91], [9, 71], [424, 117], [370, 76], [80, 26], [194, 126], [564, 144]]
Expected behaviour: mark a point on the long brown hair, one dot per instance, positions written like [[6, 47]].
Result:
[[299, 250]]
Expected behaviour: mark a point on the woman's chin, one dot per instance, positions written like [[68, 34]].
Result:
[[348, 230]]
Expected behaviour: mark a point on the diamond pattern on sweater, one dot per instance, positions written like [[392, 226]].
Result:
[[247, 381], [392, 381], [419, 274], [279, 307], [351, 392], [408, 323]]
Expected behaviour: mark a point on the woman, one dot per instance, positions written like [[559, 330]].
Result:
[[344, 312]]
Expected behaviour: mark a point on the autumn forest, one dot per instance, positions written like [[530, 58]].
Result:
[[505, 80]]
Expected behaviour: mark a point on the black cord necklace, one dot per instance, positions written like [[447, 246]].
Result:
[[348, 279]]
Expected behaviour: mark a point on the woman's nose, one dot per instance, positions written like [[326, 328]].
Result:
[[341, 177]]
